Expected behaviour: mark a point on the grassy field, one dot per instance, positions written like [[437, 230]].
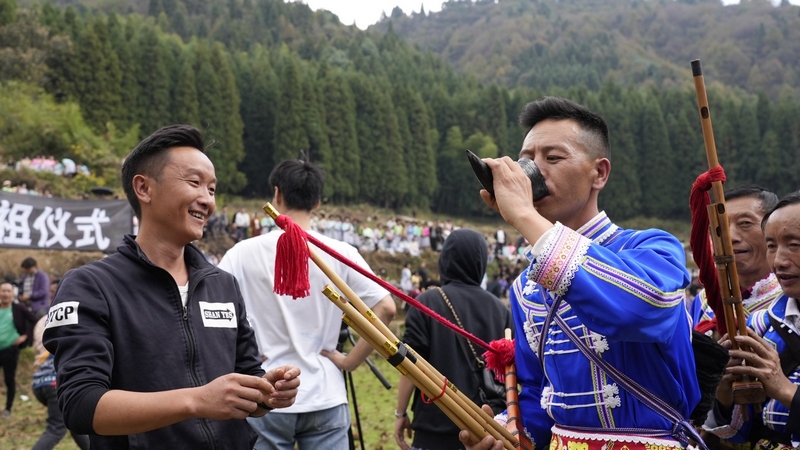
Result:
[[375, 404]]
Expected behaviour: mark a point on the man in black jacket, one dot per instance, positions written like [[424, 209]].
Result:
[[152, 346]]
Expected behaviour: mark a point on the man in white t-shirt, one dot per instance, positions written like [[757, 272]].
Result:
[[303, 332]]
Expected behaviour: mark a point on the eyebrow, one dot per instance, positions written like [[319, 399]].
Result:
[[546, 148]]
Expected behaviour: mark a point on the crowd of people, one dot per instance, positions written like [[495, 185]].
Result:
[[65, 167], [605, 332]]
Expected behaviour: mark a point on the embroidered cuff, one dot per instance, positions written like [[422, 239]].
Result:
[[535, 250], [502, 419], [556, 265], [718, 425]]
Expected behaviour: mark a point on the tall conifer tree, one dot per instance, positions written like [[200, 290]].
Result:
[[290, 130], [340, 121], [153, 109]]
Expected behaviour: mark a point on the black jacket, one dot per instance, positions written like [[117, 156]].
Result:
[[118, 323], [462, 264], [24, 320]]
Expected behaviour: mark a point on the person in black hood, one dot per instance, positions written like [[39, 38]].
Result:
[[462, 265]]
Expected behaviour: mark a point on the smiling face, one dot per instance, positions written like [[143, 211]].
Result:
[[782, 233], [179, 202], [573, 175], [744, 216]]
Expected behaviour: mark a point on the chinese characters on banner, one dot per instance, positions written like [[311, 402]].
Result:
[[59, 224]]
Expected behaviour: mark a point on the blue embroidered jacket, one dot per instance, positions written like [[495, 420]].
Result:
[[623, 294], [775, 416]]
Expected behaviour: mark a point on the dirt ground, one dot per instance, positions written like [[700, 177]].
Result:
[[54, 262]]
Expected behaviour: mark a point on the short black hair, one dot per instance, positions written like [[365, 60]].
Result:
[[557, 108], [151, 155], [767, 199], [300, 183], [28, 262], [790, 199]]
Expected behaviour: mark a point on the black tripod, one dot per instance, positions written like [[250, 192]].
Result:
[[345, 335]]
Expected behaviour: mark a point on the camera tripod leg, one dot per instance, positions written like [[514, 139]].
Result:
[[350, 386]]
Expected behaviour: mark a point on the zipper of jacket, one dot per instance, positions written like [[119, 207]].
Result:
[[192, 354], [187, 333]]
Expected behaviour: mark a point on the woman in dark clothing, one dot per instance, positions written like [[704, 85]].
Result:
[[462, 265]]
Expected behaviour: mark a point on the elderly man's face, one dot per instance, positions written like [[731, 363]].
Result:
[[782, 233]]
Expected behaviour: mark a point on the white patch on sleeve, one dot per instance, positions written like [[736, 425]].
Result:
[[218, 315], [65, 313]]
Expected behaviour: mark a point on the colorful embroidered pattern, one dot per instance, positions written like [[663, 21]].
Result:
[[556, 266], [634, 286], [567, 439]]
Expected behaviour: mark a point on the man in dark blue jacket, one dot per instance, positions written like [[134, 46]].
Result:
[[152, 346]]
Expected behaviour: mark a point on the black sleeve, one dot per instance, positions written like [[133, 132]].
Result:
[[77, 334], [248, 360], [417, 334], [793, 422]]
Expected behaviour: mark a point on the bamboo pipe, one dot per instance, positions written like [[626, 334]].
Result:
[[468, 405]]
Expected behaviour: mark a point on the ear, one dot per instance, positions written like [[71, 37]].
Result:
[[602, 170], [277, 197], [316, 205], [142, 187]]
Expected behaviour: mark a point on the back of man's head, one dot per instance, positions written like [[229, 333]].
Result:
[[299, 182], [151, 155], [595, 130], [766, 199]]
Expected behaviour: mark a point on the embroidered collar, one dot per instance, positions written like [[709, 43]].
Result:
[[768, 285], [598, 228]]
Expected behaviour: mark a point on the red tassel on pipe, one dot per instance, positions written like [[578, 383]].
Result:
[[700, 242], [502, 356], [291, 260]]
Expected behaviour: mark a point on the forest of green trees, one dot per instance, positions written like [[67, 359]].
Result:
[[388, 121]]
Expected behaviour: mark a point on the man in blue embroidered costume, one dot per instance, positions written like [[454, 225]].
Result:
[[621, 292], [775, 343], [746, 206]]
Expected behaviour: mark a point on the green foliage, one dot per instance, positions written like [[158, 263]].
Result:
[[750, 45], [32, 123], [389, 122]]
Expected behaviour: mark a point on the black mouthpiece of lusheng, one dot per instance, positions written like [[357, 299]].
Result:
[[696, 70]]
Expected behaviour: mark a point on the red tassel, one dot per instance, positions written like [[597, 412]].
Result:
[[700, 242], [502, 356], [706, 325], [291, 260]]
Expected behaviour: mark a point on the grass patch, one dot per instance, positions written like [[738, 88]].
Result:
[[375, 405]]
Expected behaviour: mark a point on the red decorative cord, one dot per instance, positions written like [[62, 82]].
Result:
[[700, 242], [283, 257], [427, 400]]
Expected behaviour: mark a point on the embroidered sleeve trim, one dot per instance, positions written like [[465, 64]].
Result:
[[633, 285], [730, 430], [560, 259]]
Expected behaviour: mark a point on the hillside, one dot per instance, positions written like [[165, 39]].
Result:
[[387, 120], [752, 46]]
